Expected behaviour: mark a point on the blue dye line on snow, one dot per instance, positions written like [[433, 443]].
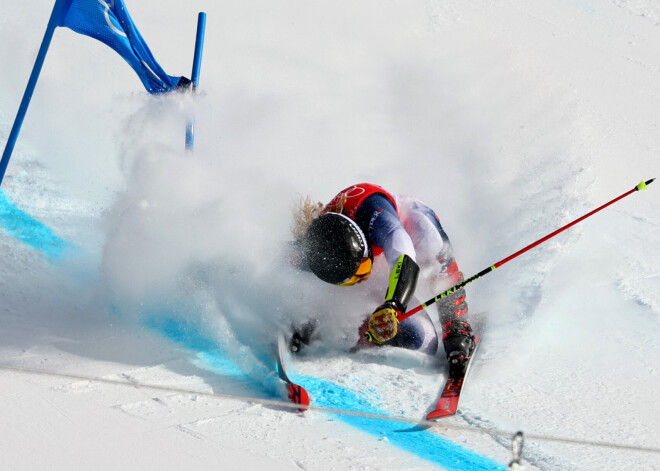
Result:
[[423, 444], [219, 363], [20, 225], [191, 338], [179, 331]]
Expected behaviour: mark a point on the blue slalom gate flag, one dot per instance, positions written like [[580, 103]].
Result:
[[109, 22]]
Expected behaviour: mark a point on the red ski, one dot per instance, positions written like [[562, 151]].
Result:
[[297, 393], [448, 403]]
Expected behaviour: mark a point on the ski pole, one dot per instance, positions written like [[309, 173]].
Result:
[[641, 186]]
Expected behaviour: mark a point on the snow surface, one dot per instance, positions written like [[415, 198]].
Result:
[[126, 260]]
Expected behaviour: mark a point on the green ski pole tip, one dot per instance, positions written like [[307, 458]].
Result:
[[644, 184]]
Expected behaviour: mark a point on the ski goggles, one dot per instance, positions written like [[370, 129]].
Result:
[[362, 273]]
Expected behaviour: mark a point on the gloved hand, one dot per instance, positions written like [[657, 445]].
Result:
[[383, 324]]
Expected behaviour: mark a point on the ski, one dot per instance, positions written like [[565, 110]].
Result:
[[296, 393], [447, 404]]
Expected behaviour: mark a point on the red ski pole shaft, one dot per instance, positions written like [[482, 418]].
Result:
[[641, 186]]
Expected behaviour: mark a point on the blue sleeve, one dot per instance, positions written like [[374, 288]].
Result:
[[378, 219]]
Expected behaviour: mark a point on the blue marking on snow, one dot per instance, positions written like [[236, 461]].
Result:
[[219, 363], [186, 334], [423, 444], [20, 225], [179, 331]]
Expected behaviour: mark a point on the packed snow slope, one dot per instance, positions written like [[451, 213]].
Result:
[[127, 260]]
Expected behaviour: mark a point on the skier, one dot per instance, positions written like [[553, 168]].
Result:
[[338, 242]]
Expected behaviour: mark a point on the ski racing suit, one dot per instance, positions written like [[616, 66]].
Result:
[[403, 228]]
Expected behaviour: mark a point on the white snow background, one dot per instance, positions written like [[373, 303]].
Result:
[[158, 267]]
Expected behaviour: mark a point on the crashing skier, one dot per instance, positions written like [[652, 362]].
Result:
[[338, 242]]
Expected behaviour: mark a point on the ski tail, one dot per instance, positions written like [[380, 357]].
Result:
[[447, 404]]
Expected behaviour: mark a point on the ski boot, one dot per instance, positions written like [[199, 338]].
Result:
[[459, 343], [302, 335]]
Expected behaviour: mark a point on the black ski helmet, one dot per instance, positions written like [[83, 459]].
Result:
[[334, 247]]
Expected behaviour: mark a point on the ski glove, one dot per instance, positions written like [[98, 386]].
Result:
[[383, 324]]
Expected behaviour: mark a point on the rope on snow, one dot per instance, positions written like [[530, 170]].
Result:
[[517, 440]]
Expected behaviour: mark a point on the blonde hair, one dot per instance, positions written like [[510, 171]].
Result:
[[308, 210]]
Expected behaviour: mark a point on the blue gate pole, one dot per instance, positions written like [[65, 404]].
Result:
[[197, 65], [53, 23]]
